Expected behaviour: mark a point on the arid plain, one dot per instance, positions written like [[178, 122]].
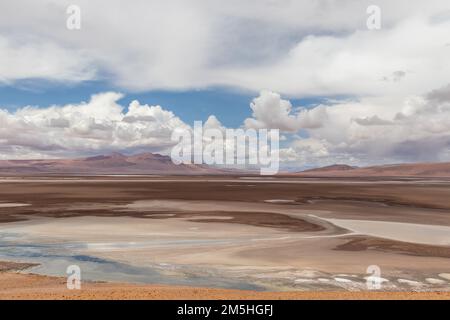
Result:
[[286, 237]]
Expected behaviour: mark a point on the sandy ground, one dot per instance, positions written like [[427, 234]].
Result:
[[33, 287]]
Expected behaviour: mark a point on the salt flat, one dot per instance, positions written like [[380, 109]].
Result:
[[197, 231]]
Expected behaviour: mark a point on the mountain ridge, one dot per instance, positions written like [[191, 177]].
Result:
[[426, 169], [153, 163], [114, 163]]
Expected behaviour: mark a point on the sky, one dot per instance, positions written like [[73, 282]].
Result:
[[338, 91]]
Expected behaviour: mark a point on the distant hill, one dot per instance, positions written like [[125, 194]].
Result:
[[439, 169], [115, 163], [332, 168], [151, 163]]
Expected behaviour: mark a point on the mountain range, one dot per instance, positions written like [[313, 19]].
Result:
[[115, 163], [151, 163], [437, 169]]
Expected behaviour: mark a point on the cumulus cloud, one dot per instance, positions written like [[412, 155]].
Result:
[[371, 131], [101, 124], [364, 131], [213, 123], [272, 112]]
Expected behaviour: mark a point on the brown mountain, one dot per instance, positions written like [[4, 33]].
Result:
[[332, 168], [115, 163], [439, 169]]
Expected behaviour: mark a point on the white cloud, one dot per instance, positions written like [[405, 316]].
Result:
[[42, 59], [272, 112], [375, 130], [101, 124], [359, 63], [213, 123], [292, 47], [370, 130], [372, 121]]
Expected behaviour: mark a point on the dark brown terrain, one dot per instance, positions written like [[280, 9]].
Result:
[[429, 170]]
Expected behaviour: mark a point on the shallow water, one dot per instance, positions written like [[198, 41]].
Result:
[[54, 258], [123, 249]]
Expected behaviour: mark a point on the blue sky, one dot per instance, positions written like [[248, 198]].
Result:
[[230, 106]]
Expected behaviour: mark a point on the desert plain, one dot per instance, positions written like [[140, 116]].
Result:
[[219, 237]]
